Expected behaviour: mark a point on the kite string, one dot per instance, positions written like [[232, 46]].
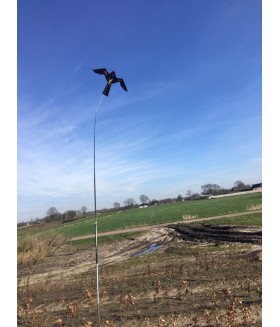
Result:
[[96, 110], [98, 106]]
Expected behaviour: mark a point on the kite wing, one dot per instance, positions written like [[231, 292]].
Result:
[[122, 83], [101, 71]]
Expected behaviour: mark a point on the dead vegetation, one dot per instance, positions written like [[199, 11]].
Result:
[[182, 284], [33, 249]]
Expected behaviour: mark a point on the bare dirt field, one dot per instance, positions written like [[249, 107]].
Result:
[[199, 275]]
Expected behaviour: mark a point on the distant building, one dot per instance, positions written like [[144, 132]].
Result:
[[143, 206], [254, 186]]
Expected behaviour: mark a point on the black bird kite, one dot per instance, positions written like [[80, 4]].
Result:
[[111, 79]]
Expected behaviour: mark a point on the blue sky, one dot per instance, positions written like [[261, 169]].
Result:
[[192, 114]]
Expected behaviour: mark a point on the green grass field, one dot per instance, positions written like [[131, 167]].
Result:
[[254, 219], [167, 213], [246, 220], [164, 214]]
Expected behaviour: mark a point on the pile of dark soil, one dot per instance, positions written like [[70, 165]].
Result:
[[218, 233]]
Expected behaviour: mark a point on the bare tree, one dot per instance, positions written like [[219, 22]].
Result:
[[116, 205], [52, 212], [210, 189], [129, 202], [179, 198], [240, 186], [189, 194], [84, 210], [144, 198], [68, 215]]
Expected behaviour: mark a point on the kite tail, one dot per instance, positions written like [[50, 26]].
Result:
[[107, 89]]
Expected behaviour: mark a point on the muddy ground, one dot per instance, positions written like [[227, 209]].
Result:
[[218, 233], [200, 275]]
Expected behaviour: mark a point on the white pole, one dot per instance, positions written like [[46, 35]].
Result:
[[96, 244]]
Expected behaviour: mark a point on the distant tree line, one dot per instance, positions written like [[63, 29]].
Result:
[[53, 215], [215, 189], [207, 190]]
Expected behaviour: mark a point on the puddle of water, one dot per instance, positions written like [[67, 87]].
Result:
[[152, 248]]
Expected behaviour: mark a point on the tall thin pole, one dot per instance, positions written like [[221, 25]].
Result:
[[96, 244]]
